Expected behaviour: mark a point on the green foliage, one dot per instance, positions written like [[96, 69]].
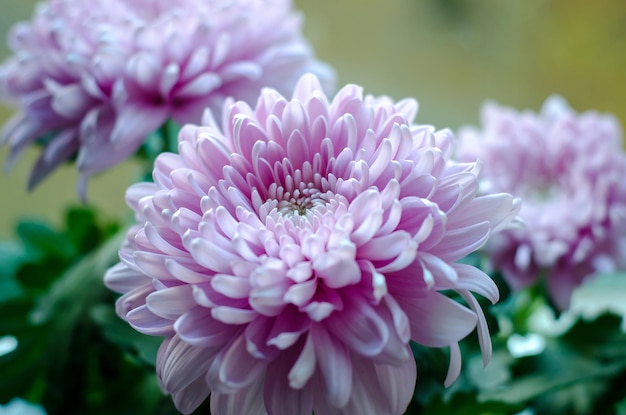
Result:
[[576, 373], [73, 355], [11, 256], [579, 368], [467, 404]]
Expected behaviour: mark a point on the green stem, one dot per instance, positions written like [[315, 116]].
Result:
[[65, 310], [78, 288]]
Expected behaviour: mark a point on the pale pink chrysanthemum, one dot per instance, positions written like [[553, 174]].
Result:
[[94, 78], [569, 170], [290, 252]]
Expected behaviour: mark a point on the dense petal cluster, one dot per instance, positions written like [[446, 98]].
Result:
[[94, 78], [290, 252], [569, 169]]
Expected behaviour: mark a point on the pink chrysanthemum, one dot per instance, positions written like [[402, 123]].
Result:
[[570, 172], [290, 253], [94, 78]]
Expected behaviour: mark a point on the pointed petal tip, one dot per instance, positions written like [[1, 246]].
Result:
[[81, 187], [454, 370], [306, 86]]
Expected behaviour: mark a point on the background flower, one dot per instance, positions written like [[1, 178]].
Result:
[[94, 78], [290, 252], [569, 170]]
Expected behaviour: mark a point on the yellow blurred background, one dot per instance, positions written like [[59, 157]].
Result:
[[449, 54]]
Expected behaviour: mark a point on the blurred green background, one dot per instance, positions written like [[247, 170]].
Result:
[[449, 54]]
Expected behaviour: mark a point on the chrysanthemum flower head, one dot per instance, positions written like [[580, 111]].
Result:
[[94, 78], [290, 252], [569, 170]]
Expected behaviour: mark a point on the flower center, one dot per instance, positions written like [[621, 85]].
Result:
[[300, 200]]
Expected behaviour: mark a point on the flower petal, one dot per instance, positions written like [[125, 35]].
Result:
[[335, 365], [437, 321]]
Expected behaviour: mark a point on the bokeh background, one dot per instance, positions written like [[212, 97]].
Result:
[[449, 54]]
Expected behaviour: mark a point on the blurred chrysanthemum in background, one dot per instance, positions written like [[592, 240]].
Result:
[[290, 252], [93, 78], [569, 170]]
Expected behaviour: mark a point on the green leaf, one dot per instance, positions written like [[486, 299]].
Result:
[[82, 229], [600, 295], [11, 257], [432, 366], [80, 285], [564, 370], [49, 281], [620, 407], [37, 277], [45, 240], [601, 338], [21, 367], [467, 404], [493, 376], [124, 336], [15, 315]]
